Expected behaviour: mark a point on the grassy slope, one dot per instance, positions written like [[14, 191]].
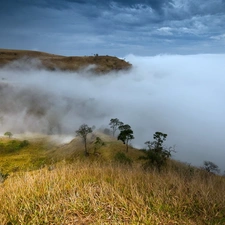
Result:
[[95, 190], [30, 157], [103, 64], [42, 151], [96, 193]]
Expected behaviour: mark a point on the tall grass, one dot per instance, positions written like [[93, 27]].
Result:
[[97, 193]]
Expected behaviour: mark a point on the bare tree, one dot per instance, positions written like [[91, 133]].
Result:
[[114, 124], [211, 167], [82, 132]]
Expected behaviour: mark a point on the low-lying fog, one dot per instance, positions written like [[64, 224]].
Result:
[[183, 96]]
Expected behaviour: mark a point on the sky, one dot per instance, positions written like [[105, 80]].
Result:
[[87, 27]]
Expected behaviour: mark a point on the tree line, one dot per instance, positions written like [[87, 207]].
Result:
[[155, 153]]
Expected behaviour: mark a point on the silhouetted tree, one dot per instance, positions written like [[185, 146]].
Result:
[[82, 132], [126, 134], [211, 167], [114, 124]]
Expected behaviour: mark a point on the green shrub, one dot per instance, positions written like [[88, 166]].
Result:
[[122, 158], [24, 143], [156, 155], [13, 146]]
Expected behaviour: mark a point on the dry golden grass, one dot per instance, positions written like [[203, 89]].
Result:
[[103, 64], [87, 192]]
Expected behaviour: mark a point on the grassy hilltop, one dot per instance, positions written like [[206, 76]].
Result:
[[52, 183], [103, 64]]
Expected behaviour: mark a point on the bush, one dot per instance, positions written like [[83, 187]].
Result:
[[156, 155], [24, 143], [13, 146], [122, 158]]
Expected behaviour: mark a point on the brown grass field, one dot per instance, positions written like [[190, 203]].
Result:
[[99, 190], [103, 64]]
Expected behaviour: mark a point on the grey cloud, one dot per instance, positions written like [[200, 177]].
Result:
[[154, 4], [86, 27]]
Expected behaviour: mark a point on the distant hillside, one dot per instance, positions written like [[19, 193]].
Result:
[[103, 64]]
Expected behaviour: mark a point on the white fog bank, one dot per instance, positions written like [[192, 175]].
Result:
[[182, 96]]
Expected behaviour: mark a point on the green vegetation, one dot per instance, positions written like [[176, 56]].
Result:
[[17, 155], [156, 155], [13, 146], [122, 158]]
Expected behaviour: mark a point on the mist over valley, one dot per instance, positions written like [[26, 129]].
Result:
[[181, 95]]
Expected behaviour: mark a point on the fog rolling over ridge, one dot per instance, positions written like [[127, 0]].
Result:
[[182, 96]]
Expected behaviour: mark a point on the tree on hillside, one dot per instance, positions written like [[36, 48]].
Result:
[[126, 134], [114, 124], [82, 132], [8, 133], [156, 153], [211, 167]]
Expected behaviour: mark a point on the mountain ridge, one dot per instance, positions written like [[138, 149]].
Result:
[[100, 63]]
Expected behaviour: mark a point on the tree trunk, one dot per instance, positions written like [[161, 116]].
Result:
[[85, 147], [114, 132]]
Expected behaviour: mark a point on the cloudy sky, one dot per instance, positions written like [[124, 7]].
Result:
[[119, 27]]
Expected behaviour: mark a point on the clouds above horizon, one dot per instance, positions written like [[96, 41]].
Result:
[[146, 27]]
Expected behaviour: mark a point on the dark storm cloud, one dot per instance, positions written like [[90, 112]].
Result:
[[80, 27]]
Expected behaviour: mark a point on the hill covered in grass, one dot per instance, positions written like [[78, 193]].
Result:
[[100, 64], [52, 182]]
